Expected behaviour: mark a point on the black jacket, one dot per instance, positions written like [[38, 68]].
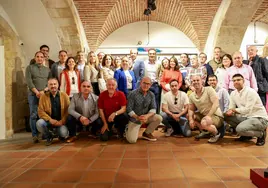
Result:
[[260, 69]]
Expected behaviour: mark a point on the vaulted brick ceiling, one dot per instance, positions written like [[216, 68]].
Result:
[[102, 17], [261, 14]]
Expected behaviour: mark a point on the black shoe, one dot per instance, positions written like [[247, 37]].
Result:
[[49, 141], [261, 140], [243, 138], [61, 139]]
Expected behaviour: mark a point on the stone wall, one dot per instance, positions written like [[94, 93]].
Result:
[[16, 89]]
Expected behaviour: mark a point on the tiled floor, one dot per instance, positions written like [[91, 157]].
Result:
[[169, 162]]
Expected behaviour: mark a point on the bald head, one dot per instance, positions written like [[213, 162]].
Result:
[[237, 59], [252, 52]]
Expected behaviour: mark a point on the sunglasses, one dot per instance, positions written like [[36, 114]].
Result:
[[73, 80], [176, 99]]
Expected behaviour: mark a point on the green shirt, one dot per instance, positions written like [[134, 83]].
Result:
[[37, 76], [215, 64]]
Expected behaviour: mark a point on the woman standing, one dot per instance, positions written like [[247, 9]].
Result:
[[91, 71], [125, 78], [117, 63], [106, 72], [221, 71], [70, 78], [170, 74]]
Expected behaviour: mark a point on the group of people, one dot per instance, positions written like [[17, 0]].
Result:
[[126, 93]]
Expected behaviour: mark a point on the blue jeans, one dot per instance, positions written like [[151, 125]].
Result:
[[43, 127], [155, 88], [33, 105], [181, 126]]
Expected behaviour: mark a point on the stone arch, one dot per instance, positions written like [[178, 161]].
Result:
[[16, 102], [235, 23], [67, 24]]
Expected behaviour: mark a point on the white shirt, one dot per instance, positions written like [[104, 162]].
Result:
[[88, 103], [81, 67], [151, 70], [129, 79], [175, 103], [220, 73], [60, 69], [247, 103]]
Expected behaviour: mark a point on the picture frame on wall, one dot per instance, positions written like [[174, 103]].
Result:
[[259, 48]]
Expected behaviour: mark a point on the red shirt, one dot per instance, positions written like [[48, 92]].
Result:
[[111, 104]]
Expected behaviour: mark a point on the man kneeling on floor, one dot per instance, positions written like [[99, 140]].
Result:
[[83, 111], [204, 111], [246, 112], [53, 112], [141, 108], [174, 107]]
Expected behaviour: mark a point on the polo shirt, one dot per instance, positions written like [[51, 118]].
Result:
[[203, 103], [111, 104]]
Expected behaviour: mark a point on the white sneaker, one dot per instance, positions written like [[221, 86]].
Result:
[[169, 132], [214, 138]]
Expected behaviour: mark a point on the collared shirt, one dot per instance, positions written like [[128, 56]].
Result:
[[215, 64], [175, 103], [140, 104], [60, 69], [111, 104], [55, 106], [37, 76], [81, 67], [88, 105], [246, 71], [191, 71], [223, 98], [203, 103], [247, 103]]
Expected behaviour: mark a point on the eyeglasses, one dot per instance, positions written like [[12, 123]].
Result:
[[175, 102], [73, 81]]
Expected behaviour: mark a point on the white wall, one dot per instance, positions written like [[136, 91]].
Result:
[[33, 25], [162, 36], [261, 34]]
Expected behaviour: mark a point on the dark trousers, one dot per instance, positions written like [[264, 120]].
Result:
[[96, 89], [156, 90], [73, 124], [120, 122], [263, 98]]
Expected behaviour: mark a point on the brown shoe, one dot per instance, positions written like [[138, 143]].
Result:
[[149, 137], [71, 139]]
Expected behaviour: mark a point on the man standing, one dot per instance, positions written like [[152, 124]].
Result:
[[36, 78], [137, 66], [58, 67], [216, 62], [152, 70], [204, 111], [81, 63], [202, 59], [260, 69], [221, 92], [142, 109], [45, 50], [112, 105], [246, 112], [83, 111], [53, 112], [240, 68], [175, 107]]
